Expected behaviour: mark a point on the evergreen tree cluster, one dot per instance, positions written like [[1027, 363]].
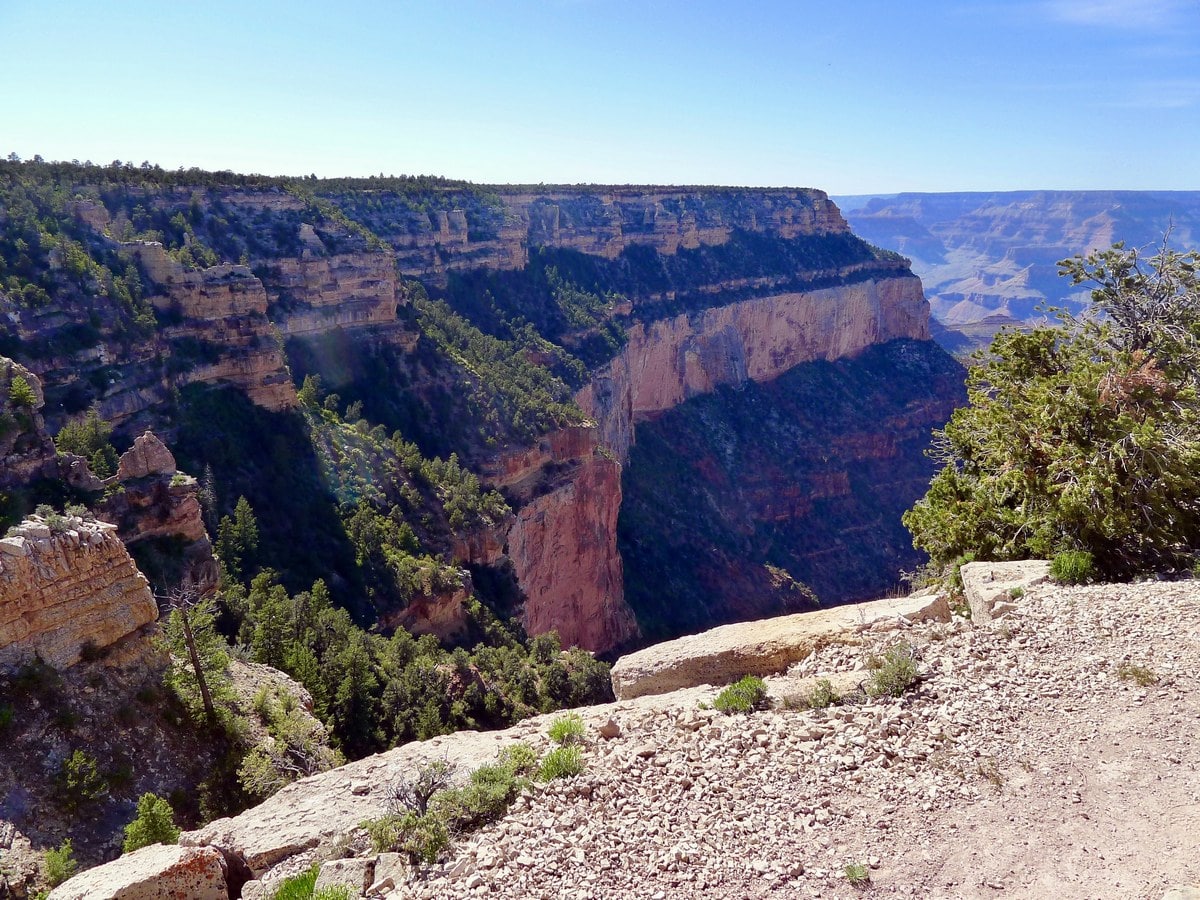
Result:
[[1084, 438]]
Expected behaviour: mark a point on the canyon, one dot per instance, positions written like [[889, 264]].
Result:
[[708, 289], [988, 259]]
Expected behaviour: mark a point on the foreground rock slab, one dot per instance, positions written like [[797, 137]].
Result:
[[156, 872], [722, 655], [991, 587]]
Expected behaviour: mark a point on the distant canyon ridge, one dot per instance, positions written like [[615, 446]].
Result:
[[988, 259]]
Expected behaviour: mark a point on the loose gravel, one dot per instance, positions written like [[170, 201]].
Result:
[[1028, 761]]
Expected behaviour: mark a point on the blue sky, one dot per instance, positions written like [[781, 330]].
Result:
[[851, 97]]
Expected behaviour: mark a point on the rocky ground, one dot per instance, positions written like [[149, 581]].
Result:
[[1028, 762], [1050, 753]]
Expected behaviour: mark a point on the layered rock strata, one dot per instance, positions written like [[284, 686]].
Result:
[[225, 327], [314, 294], [602, 222], [668, 361], [66, 584]]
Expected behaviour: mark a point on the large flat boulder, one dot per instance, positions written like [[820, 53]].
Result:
[[319, 808], [722, 655], [988, 586], [157, 872]]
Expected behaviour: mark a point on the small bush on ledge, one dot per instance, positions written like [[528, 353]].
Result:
[[894, 673], [744, 696], [1072, 567], [567, 729]]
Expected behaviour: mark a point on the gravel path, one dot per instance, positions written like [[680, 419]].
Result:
[[1022, 765]]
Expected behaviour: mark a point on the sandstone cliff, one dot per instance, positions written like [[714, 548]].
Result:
[[316, 294], [66, 584], [563, 546], [668, 361]]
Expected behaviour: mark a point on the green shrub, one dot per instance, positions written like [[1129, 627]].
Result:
[[154, 824], [567, 729], [518, 758], [422, 837], [1072, 567], [60, 863], [298, 887], [1084, 436], [822, 695], [485, 798], [6, 717], [744, 696], [21, 393], [857, 874], [81, 780], [561, 762], [894, 673]]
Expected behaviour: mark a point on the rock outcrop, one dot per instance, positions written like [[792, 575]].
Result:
[[65, 585], [225, 336], [993, 588], [158, 504], [667, 361], [768, 647], [152, 873]]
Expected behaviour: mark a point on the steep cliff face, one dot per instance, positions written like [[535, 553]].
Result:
[[496, 232], [669, 361], [348, 290], [65, 584], [563, 542], [732, 499]]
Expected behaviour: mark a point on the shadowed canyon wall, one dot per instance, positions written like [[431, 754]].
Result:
[[663, 295]]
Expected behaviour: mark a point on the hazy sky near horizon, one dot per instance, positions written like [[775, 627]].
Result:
[[852, 97]]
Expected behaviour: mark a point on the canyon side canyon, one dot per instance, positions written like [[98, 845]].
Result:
[[623, 316]]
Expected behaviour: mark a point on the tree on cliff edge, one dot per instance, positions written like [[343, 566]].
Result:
[[191, 635], [1085, 437]]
